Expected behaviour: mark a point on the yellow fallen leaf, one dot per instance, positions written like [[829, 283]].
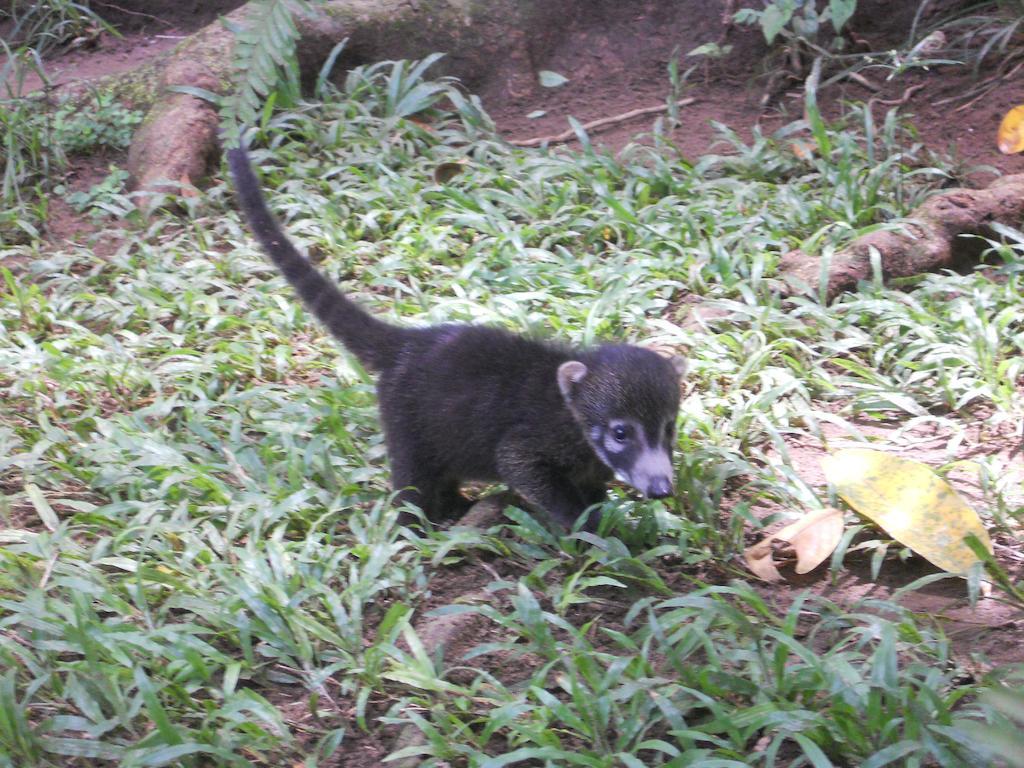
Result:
[[1010, 136], [813, 537], [910, 502]]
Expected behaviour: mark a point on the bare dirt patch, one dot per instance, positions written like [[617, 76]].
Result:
[[616, 56]]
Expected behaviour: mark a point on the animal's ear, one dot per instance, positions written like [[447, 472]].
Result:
[[680, 363], [569, 375]]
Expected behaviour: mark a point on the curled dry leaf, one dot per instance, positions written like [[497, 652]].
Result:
[[187, 189], [813, 537], [930, 45], [803, 149], [1010, 136], [910, 502], [445, 172]]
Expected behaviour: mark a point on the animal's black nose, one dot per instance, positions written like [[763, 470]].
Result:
[[659, 488]]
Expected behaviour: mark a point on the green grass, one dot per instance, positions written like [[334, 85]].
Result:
[[196, 540]]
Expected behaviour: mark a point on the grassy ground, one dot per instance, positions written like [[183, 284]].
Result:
[[198, 563]]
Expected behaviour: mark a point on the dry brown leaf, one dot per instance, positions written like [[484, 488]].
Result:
[[813, 537], [187, 189], [445, 172], [803, 149]]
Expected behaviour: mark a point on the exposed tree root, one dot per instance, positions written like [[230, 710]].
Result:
[[942, 233], [498, 39]]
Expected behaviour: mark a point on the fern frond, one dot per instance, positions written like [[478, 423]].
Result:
[[264, 62]]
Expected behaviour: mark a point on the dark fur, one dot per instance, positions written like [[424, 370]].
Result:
[[467, 402]]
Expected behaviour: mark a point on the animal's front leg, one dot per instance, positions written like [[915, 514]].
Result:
[[544, 487]]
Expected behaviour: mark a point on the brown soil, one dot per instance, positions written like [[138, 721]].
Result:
[[616, 55]]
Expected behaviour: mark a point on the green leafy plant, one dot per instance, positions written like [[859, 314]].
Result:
[[28, 155], [806, 33], [998, 716], [264, 63], [102, 123], [36, 140], [267, 74], [104, 199], [798, 20]]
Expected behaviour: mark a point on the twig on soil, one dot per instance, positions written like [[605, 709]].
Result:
[[47, 571], [16, 638], [857, 77], [490, 569], [727, 18], [603, 122], [988, 89], [981, 89], [901, 100]]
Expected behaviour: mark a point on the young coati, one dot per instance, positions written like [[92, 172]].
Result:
[[469, 402]]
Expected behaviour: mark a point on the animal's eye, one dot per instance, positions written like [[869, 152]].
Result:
[[620, 432], [670, 429]]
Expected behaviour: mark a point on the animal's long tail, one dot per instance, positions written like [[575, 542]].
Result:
[[373, 341]]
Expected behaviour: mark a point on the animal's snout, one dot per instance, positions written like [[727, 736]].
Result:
[[659, 488]]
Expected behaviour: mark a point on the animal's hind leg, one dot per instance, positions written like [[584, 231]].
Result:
[[434, 493], [414, 487], [411, 475], [419, 476], [450, 502]]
